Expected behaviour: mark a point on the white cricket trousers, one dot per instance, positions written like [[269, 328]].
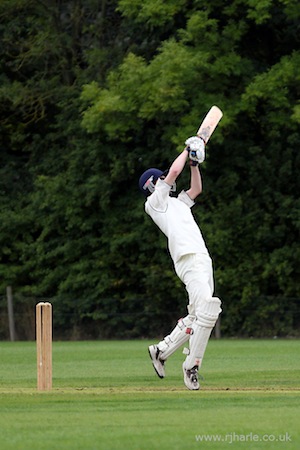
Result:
[[196, 272]]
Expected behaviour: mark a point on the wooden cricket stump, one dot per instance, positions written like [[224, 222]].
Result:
[[44, 345]]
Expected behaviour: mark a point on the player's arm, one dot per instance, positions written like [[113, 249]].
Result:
[[194, 150], [196, 183], [176, 167]]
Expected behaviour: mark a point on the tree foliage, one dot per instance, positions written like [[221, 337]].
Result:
[[93, 93]]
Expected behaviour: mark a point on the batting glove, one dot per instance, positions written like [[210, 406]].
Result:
[[195, 148]]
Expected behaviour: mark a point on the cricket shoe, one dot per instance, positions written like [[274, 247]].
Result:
[[191, 378], [158, 364]]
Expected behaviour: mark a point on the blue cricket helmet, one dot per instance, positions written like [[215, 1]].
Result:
[[148, 179]]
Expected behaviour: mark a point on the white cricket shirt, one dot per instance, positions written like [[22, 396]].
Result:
[[174, 218]]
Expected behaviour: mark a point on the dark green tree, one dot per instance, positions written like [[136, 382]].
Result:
[[246, 61], [93, 93]]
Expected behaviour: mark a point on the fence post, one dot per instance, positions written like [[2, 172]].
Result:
[[218, 329], [10, 309]]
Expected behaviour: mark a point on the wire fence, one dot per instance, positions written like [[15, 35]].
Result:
[[17, 321]]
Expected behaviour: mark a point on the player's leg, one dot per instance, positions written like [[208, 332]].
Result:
[[207, 313], [179, 336], [198, 278], [165, 348]]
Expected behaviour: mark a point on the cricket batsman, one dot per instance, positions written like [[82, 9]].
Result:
[[190, 256]]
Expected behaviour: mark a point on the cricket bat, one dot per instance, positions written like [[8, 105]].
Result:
[[209, 123]]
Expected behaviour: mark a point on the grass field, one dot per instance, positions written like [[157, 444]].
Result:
[[106, 396]]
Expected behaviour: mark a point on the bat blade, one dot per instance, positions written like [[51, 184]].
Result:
[[209, 123]]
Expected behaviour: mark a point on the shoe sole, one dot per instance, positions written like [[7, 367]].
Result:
[[184, 377], [153, 364]]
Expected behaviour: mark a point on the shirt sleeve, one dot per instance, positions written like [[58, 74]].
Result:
[[158, 200], [183, 197]]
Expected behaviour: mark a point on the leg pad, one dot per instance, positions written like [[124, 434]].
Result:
[[177, 337]]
